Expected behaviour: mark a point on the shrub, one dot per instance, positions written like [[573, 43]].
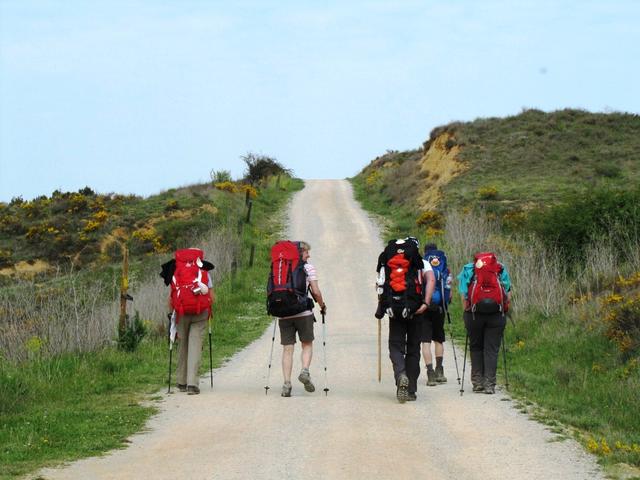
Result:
[[488, 193], [171, 205], [373, 178], [253, 192], [582, 219], [431, 219], [5, 258], [261, 166], [219, 176], [132, 335], [609, 170], [622, 315], [227, 187]]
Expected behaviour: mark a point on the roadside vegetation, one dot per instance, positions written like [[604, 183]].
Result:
[[574, 343], [68, 388]]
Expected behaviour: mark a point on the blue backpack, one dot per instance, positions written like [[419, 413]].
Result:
[[438, 261]]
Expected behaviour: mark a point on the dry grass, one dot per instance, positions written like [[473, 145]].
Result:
[[66, 318], [538, 278], [70, 317]]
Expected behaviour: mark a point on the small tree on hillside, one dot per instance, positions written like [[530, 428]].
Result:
[[262, 166]]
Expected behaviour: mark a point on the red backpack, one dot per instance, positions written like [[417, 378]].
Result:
[[402, 289], [486, 293], [287, 283], [189, 278]]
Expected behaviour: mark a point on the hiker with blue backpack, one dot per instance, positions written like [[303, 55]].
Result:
[[485, 290], [433, 317]]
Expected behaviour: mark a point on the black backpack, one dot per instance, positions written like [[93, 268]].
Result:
[[402, 289]]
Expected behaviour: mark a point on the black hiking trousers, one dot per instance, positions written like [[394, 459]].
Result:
[[404, 349], [485, 336]]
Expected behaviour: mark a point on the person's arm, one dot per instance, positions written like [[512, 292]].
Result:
[[317, 295], [464, 278], [430, 278], [465, 302]]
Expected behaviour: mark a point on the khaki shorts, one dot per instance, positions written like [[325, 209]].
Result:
[[302, 325]]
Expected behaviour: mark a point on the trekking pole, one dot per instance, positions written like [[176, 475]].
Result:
[[170, 352], [273, 338], [170, 355], [464, 363], [446, 309], [210, 352], [504, 356], [379, 350], [324, 350]]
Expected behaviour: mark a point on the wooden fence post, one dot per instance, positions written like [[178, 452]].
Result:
[[251, 255], [124, 289], [249, 211]]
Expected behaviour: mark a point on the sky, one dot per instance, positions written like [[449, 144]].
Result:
[[141, 96]]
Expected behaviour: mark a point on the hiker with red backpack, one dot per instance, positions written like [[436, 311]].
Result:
[[485, 290], [433, 322], [191, 299], [290, 279], [403, 299]]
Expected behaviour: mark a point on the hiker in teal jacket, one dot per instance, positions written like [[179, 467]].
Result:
[[485, 331]]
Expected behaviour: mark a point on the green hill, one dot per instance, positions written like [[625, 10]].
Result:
[[510, 165]]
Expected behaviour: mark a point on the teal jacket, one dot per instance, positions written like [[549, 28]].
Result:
[[465, 276]]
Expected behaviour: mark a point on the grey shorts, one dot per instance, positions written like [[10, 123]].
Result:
[[289, 327]]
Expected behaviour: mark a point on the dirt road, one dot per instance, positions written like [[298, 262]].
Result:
[[358, 431]]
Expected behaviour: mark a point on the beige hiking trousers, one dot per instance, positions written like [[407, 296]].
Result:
[[191, 329]]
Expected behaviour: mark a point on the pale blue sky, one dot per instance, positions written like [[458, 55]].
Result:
[[140, 96]]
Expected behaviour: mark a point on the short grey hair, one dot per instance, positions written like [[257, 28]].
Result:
[[304, 246]]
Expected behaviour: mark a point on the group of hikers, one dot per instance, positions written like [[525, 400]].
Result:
[[414, 291]]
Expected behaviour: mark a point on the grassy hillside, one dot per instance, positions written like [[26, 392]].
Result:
[[556, 196], [84, 228], [510, 165]]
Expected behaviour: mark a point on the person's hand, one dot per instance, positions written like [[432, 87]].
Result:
[[323, 308], [422, 309], [467, 305]]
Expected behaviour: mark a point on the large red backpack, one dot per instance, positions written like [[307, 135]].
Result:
[[287, 283], [486, 293], [189, 278]]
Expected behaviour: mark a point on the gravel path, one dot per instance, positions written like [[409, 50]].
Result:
[[359, 430]]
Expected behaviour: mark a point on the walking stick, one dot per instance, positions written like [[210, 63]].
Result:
[[379, 350], [446, 309], [324, 349], [273, 337], [170, 354], [504, 357], [464, 363], [210, 352], [169, 315]]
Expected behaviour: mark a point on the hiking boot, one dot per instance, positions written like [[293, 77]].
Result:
[[286, 390], [181, 387], [412, 397], [193, 390], [478, 388], [305, 378], [431, 378], [402, 394], [489, 389], [440, 378]]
